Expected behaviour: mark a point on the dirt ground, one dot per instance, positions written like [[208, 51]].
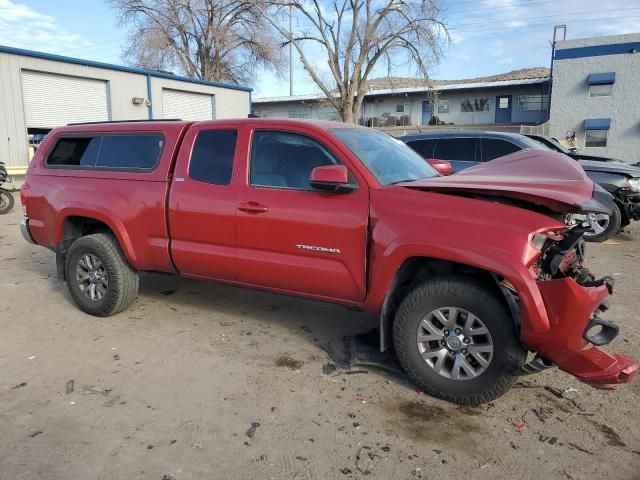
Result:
[[171, 388]]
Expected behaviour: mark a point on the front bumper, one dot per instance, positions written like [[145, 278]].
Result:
[[24, 229], [570, 308]]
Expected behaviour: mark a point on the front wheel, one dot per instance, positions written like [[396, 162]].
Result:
[[6, 201], [455, 338], [603, 226], [99, 278]]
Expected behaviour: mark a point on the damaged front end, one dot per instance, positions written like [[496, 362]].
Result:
[[574, 299]]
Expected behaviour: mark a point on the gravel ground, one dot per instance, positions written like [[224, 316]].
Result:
[[171, 388]]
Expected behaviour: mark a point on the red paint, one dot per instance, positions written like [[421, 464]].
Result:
[[337, 174], [345, 248]]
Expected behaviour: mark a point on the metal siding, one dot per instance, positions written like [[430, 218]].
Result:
[[186, 105], [55, 100]]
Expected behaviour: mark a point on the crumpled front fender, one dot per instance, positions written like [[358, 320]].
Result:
[[569, 307]]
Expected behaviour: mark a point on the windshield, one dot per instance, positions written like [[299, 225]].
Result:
[[387, 158], [535, 144]]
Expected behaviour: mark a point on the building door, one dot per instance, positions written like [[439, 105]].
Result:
[[503, 109], [52, 100], [427, 112], [187, 105]]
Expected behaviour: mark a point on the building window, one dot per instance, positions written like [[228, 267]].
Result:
[[300, 113], [595, 138], [443, 106], [329, 114], [527, 103], [474, 105], [600, 90]]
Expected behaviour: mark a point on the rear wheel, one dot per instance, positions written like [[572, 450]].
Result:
[[6, 201], [456, 340], [99, 278]]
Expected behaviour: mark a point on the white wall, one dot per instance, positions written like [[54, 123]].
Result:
[[571, 104]]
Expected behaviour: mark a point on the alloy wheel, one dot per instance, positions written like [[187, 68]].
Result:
[[91, 276]]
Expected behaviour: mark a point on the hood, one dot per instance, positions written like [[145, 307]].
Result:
[[548, 179], [592, 158], [619, 168]]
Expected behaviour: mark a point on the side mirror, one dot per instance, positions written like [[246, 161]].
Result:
[[331, 178], [442, 166]]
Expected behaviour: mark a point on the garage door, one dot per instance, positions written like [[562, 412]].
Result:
[[187, 105], [54, 100]]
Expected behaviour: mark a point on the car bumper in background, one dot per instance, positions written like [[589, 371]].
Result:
[[24, 229], [571, 309]]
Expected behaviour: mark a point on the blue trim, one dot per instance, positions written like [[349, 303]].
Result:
[[119, 68], [597, 50], [597, 124], [149, 98], [608, 78]]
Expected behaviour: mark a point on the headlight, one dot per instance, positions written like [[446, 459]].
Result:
[[634, 184]]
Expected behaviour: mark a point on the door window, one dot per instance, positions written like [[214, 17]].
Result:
[[285, 160], [463, 149], [212, 156], [493, 148]]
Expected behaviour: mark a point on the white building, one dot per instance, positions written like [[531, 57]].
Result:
[[513, 98], [596, 94], [40, 91]]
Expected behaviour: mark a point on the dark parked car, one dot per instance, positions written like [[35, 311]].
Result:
[[555, 145], [464, 149]]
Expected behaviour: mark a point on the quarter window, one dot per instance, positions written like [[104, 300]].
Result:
[[212, 156], [285, 160], [595, 138]]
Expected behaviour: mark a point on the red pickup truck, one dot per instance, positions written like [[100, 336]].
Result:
[[468, 273]]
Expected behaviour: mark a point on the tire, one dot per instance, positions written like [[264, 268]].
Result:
[[6, 201], [468, 296], [611, 229], [115, 281]]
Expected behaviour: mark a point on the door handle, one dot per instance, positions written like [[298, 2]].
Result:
[[252, 207]]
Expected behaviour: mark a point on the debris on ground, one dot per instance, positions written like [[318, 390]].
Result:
[[521, 426], [545, 439], [226, 324], [329, 368], [417, 472], [32, 357], [542, 413], [286, 361], [302, 459], [360, 399], [20, 385], [346, 471], [364, 461], [514, 445], [35, 434], [571, 390], [69, 386], [581, 449], [112, 401], [96, 390], [168, 292], [252, 430], [385, 449], [167, 476], [116, 357]]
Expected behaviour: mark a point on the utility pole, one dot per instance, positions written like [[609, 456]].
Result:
[[290, 53]]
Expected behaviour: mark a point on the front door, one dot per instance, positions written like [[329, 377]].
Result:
[[292, 237], [427, 112], [202, 204], [503, 109]]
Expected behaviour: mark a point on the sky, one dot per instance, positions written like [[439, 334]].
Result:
[[487, 36]]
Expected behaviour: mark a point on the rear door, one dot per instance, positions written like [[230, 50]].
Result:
[[290, 236], [202, 203], [423, 147], [461, 152]]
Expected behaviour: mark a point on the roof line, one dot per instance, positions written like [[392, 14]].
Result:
[[119, 68]]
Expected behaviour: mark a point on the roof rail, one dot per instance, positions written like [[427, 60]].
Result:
[[126, 121]]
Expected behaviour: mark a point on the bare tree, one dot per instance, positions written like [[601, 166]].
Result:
[[358, 36], [223, 40]]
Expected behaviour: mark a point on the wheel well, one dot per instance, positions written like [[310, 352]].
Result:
[[74, 228], [416, 270]]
